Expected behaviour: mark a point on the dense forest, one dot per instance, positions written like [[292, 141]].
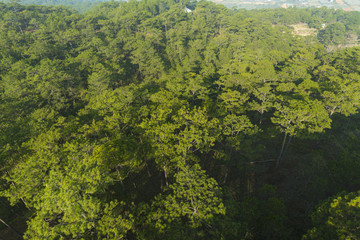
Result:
[[79, 5], [167, 119]]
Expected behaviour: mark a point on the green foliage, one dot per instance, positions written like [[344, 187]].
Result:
[[337, 218], [333, 34], [266, 215], [80, 5], [144, 120], [296, 116], [193, 200]]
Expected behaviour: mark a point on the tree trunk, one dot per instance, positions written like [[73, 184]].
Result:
[[166, 177], [286, 148], [261, 116], [281, 151], [11, 228]]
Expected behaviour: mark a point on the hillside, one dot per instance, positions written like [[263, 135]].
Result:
[[346, 5]]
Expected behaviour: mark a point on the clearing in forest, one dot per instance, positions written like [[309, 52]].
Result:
[[303, 29]]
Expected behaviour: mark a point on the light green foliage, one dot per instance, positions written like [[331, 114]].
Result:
[[67, 194], [233, 101], [176, 134], [194, 199], [236, 128], [145, 56], [295, 116], [338, 90], [113, 106], [29, 174], [112, 225], [337, 218]]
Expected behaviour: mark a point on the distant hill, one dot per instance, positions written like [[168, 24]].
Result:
[[349, 5]]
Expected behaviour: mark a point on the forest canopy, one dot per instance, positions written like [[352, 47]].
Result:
[[166, 119], [79, 5]]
